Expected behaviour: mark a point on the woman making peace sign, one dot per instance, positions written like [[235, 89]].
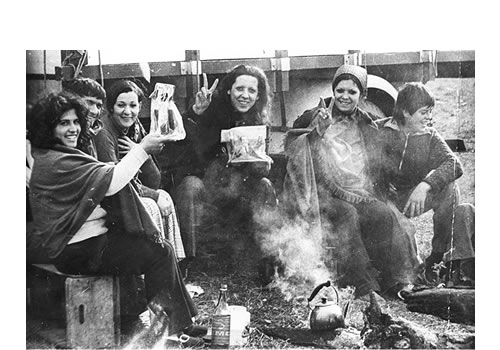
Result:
[[242, 98]]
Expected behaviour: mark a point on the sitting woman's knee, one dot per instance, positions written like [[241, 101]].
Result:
[[190, 186]]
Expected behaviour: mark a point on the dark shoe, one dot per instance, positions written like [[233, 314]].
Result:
[[191, 342], [195, 331], [395, 291]]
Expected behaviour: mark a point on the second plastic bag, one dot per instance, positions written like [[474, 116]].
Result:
[[166, 119]]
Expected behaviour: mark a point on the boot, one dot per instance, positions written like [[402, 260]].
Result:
[[431, 275]]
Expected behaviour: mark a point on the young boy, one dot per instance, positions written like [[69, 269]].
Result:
[[418, 174]]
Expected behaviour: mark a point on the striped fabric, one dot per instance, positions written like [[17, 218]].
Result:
[[172, 232]]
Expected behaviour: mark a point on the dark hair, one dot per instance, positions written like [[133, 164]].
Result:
[[85, 87], [410, 98], [120, 87], [47, 112], [260, 110]]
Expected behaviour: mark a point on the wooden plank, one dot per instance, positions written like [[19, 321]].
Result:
[[456, 56]]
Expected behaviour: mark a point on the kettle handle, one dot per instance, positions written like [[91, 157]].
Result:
[[318, 288]]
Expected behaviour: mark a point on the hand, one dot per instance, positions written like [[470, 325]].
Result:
[[152, 143], [204, 96], [125, 145], [165, 203], [324, 116], [415, 205]]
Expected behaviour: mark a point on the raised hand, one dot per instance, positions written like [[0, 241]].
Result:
[[153, 143], [125, 144], [324, 116], [204, 96]]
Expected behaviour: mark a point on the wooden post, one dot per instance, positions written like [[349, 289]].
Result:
[[192, 71], [281, 76]]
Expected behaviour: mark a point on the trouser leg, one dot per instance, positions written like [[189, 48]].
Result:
[[189, 199], [342, 223], [388, 245], [444, 205], [126, 254]]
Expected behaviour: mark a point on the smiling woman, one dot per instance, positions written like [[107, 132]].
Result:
[[205, 180], [68, 129]]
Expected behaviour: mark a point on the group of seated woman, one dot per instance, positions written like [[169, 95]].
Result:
[[98, 206]]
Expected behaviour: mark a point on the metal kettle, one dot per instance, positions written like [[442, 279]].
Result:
[[326, 315]]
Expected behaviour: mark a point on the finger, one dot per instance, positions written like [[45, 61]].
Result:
[[205, 80], [322, 103], [330, 106], [412, 210], [214, 85], [204, 92], [407, 206]]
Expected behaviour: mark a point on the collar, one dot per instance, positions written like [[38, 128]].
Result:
[[393, 124]]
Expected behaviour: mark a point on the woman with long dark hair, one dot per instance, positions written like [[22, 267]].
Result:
[[243, 98], [73, 222]]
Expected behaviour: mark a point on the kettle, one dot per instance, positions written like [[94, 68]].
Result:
[[326, 315]]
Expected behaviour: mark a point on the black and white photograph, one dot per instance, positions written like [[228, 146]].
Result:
[[264, 175], [355, 229]]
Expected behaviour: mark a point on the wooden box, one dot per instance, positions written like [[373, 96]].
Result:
[[92, 312]]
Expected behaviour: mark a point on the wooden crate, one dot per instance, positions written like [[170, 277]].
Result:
[[92, 312]]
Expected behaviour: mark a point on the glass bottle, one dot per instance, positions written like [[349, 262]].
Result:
[[221, 321]]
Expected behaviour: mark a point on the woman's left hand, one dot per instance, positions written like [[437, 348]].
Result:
[[125, 144], [165, 203], [415, 205]]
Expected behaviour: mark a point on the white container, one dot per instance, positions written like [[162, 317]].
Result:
[[240, 321]]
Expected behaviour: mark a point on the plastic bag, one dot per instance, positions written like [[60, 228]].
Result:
[[166, 119], [246, 144]]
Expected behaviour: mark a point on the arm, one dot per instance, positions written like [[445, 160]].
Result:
[[445, 164], [126, 169]]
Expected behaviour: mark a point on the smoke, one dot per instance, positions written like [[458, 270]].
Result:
[[298, 249]]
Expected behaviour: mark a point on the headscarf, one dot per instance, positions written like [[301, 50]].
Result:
[[358, 74]]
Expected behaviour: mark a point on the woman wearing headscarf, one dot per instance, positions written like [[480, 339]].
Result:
[[331, 184]]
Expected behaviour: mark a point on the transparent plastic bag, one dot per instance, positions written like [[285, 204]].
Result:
[[166, 119], [246, 144]]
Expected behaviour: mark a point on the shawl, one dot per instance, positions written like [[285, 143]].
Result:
[[66, 186]]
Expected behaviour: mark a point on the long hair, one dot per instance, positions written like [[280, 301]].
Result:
[[47, 112], [412, 97], [260, 111]]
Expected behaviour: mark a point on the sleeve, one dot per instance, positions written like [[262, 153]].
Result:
[[106, 147], [126, 169], [445, 164]]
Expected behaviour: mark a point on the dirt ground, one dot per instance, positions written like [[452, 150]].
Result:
[[231, 260]]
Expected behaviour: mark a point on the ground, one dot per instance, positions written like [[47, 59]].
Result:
[[229, 259]]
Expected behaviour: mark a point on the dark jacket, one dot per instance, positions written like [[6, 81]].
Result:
[[408, 160], [202, 145], [149, 176]]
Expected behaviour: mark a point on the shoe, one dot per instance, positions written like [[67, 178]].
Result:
[[195, 330], [185, 341]]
